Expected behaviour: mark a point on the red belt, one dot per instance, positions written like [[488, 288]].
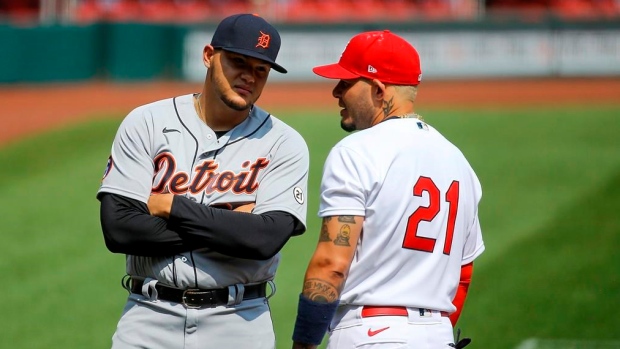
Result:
[[373, 310]]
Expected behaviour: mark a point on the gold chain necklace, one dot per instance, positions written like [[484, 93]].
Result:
[[199, 106], [411, 116]]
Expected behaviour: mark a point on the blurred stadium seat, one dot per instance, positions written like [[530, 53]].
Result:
[[193, 11], [575, 9], [515, 9], [434, 9], [565, 9], [317, 11], [19, 11], [322, 11]]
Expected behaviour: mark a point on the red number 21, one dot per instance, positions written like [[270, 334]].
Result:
[[427, 214]]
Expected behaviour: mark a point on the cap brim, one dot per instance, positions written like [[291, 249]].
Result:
[[258, 55], [334, 71]]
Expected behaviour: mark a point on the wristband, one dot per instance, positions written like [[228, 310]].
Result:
[[313, 319]]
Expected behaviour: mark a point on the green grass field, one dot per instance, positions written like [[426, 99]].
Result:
[[550, 218]]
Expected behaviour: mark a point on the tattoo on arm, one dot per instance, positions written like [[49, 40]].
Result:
[[321, 291], [388, 106], [346, 219], [343, 236], [324, 236]]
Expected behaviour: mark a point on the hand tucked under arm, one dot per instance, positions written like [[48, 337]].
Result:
[[237, 234], [128, 228], [245, 207], [160, 205]]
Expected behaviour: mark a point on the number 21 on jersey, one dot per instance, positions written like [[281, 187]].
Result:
[[415, 242]]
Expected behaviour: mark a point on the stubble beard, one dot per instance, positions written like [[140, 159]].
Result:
[[227, 99], [360, 114], [357, 119], [348, 123], [347, 127], [235, 105]]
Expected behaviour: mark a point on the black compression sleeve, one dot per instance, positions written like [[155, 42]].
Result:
[[129, 228], [237, 234]]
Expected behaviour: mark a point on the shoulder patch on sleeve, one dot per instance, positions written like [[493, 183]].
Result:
[[298, 194], [108, 167]]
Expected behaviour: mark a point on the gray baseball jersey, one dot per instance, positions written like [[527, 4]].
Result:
[[165, 147]]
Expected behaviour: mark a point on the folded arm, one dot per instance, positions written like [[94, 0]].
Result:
[[130, 228]]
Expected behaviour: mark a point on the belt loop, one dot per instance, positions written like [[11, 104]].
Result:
[[358, 311], [272, 286], [148, 289], [413, 314], [235, 294]]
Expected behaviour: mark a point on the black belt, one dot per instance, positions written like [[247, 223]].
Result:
[[197, 298]]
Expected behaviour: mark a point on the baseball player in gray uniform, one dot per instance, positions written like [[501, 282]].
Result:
[[201, 192]]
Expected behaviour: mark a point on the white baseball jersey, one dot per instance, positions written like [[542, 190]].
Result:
[[165, 147], [419, 199]]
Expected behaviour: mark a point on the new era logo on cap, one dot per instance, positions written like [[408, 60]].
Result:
[[379, 55], [249, 35]]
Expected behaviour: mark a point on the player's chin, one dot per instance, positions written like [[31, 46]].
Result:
[[347, 126], [239, 103]]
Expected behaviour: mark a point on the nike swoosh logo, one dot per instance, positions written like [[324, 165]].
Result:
[[167, 130], [372, 333]]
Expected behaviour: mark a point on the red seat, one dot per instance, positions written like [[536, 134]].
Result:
[[531, 11], [435, 10], [367, 10], [608, 8], [193, 11], [123, 11], [88, 11], [20, 11], [302, 11], [399, 10], [158, 11], [221, 9], [574, 9]]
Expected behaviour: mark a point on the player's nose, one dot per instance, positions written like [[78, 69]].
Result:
[[248, 76], [337, 91]]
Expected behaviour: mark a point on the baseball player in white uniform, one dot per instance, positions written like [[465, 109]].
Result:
[[201, 192], [399, 204]]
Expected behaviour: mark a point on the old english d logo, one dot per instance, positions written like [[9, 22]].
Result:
[[263, 40]]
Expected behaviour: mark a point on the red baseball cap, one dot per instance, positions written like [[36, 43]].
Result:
[[380, 55]]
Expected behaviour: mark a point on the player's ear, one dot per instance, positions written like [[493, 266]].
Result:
[[378, 89], [207, 55]]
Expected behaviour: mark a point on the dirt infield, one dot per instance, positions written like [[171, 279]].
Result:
[[31, 109]]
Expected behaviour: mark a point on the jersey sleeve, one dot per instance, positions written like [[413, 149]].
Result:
[[345, 177], [474, 245], [284, 184], [130, 167]]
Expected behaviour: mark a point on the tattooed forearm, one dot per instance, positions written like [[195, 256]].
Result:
[[343, 236], [321, 291], [388, 106], [346, 219], [324, 236]]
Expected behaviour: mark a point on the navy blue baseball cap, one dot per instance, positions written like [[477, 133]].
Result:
[[250, 35]]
